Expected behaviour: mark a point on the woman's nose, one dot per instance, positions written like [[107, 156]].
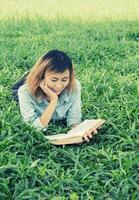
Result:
[[59, 86]]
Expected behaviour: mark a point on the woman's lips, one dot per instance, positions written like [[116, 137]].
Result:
[[55, 91]]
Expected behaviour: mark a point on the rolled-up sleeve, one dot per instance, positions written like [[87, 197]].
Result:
[[28, 111], [74, 114]]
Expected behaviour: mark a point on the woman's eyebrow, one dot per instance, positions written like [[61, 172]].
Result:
[[57, 78]]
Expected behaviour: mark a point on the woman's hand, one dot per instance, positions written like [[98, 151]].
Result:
[[88, 134], [52, 96]]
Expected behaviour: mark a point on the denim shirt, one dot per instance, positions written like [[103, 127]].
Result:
[[68, 107]]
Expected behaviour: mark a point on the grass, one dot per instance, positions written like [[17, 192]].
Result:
[[106, 56]]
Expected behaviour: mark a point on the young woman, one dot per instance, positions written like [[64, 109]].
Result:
[[51, 92]]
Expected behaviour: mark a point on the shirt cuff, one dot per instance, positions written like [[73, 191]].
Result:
[[37, 124]]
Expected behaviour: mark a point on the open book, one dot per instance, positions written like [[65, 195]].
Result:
[[76, 134]]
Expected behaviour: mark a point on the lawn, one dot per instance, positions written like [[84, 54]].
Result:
[[102, 38]]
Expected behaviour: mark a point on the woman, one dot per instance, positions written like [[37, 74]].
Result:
[[51, 92]]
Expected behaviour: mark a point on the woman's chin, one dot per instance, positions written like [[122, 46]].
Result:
[[58, 93]]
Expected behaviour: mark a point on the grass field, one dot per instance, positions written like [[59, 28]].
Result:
[[102, 38]]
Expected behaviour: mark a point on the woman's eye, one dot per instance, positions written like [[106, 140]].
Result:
[[56, 80], [53, 80]]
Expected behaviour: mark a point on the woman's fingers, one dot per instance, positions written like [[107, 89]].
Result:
[[42, 85], [88, 134], [95, 131], [86, 138]]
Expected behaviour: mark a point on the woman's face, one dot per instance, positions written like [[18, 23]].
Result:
[[57, 82]]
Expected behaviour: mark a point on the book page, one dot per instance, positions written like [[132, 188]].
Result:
[[55, 137], [85, 126], [67, 141], [79, 130]]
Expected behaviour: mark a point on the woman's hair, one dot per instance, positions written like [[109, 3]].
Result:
[[56, 61]]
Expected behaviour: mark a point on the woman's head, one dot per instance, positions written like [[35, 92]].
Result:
[[56, 68], [57, 81]]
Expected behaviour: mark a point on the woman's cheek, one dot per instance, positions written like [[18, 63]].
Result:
[[67, 83], [64, 85], [49, 86]]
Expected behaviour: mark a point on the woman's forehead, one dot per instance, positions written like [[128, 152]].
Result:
[[58, 74]]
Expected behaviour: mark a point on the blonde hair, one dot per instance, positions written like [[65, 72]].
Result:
[[54, 60]]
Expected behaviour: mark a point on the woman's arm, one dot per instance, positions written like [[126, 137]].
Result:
[[46, 116], [29, 112]]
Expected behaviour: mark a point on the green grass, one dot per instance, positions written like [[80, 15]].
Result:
[[106, 57]]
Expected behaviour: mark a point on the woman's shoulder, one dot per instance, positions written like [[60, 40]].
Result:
[[23, 88], [24, 91], [77, 90], [78, 84], [77, 87]]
